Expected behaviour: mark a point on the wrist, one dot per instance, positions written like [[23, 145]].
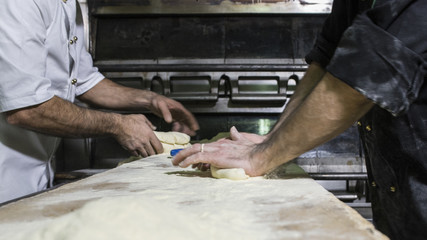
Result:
[[116, 125], [260, 162], [149, 98], [268, 156], [142, 99]]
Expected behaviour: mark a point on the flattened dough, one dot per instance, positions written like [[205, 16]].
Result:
[[133, 217], [229, 173], [173, 137], [173, 140]]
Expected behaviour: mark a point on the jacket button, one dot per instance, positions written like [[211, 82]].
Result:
[[368, 128], [75, 39], [392, 189], [74, 81], [65, 1], [359, 123], [71, 42], [373, 184]]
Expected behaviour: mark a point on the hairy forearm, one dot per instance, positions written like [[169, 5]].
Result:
[[63, 119], [110, 95], [326, 112], [312, 76]]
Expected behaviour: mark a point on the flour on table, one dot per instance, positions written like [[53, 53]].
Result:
[[229, 173], [130, 218], [150, 199]]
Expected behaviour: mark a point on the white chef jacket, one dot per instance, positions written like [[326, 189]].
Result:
[[42, 54]]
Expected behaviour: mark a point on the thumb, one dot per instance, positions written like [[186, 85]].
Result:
[[234, 134], [164, 109]]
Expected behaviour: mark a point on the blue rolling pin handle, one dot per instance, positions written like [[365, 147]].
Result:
[[175, 151]]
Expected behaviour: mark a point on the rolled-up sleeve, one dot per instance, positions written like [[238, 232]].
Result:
[[340, 18], [382, 54], [88, 75], [22, 57]]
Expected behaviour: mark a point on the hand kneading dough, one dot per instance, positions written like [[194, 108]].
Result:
[[229, 173], [173, 140]]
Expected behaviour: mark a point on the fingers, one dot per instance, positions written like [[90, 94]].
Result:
[[205, 154], [201, 166], [192, 122], [135, 153], [234, 134], [185, 121], [204, 166], [171, 110], [181, 115], [186, 157], [198, 158], [178, 127], [137, 136], [164, 109], [140, 151], [224, 153], [151, 147], [156, 144], [143, 153]]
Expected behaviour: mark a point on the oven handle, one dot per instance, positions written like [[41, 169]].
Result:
[[258, 98], [193, 97], [280, 97]]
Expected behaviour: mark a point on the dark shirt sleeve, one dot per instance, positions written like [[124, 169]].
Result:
[[383, 54], [342, 15]]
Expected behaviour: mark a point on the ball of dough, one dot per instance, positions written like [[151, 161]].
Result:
[[181, 138], [229, 173]]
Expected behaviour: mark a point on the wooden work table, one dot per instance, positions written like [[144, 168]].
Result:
[[151, 199]]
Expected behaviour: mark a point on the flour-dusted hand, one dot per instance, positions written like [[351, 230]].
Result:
[[135, 134], [174, 112], [236, 152]]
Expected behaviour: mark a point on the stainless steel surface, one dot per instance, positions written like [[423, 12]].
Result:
[[218, 91], [215, 7], [339, 176]]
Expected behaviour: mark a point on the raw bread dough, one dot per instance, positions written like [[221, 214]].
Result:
[[173, 137], [229, 173], [173, 140]]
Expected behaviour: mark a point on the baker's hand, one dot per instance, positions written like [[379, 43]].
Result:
[[255, 138], [135, 134], [224, 153], [173, 111]]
